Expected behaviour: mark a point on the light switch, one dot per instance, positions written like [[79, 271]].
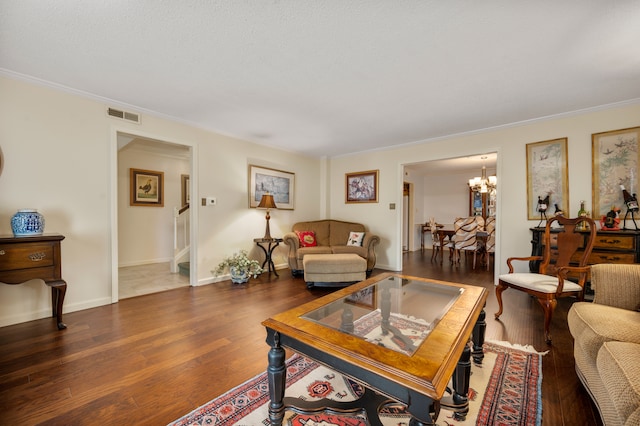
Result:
[[211, 201]]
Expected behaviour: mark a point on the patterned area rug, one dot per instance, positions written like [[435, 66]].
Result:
[[505, 390]]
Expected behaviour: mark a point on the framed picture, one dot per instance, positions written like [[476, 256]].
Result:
[[184, 190], [147, 188], [547, 175], [361, 187], [278, 183], [477, 203], [615, 163]]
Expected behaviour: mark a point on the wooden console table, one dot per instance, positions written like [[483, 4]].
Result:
[[609, 247], [38, 257]]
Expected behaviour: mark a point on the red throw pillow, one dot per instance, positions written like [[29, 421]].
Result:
[[307, 238]]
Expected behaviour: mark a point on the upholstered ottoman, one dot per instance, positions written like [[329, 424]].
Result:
[[333, 269]]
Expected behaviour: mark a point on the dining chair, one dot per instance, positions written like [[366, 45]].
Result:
[[562, 271], [465, 239], [435, 236], [490, 244]]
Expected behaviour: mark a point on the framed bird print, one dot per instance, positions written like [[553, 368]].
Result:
[[147, 188], [547, 179]]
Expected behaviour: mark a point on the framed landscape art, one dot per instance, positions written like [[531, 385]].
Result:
[[278, 183], [361, 187], [147, 188], [615, 163], [547, 174]]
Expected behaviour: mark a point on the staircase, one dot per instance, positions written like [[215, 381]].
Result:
[[181, 244], [184, 268]]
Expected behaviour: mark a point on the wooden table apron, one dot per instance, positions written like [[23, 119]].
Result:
[[419, 399]]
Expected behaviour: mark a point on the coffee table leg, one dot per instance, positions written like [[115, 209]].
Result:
[[478, 338], [276, 375], [424, 411], [458, 402]]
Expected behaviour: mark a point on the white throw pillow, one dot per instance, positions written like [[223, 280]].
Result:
[[355, 238]]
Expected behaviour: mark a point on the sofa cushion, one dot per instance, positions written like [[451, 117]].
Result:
[[360, 251], [592, 324], [321, 229], [355, 238], [620, 372], [307, 238], [339, 232], [303, 251]]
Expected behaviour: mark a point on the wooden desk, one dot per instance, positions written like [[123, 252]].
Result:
[[38, 257]]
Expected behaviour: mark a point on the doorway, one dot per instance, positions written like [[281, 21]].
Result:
[[407, 217], [441, 190], [143, 236]]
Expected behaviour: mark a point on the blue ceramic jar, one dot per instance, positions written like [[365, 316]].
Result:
[[27, 222]]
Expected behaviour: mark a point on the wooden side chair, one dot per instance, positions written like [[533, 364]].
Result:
[[435, 237], [565, 252]]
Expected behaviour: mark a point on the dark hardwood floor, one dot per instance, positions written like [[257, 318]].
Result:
[[149, 360]]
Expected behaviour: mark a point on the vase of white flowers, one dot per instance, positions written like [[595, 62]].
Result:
[[240, 267]]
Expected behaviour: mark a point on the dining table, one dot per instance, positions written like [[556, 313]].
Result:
[[442, 234]]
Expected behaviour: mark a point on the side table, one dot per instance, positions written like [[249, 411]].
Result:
[[26, 258], [271, 244]]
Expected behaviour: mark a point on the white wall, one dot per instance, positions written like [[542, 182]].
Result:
[[145, 234], [58, 149], [512, 235]]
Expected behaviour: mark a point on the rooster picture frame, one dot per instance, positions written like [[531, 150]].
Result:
[[147, 188], [547, 176]]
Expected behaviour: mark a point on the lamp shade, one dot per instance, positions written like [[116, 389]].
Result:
[[267, 202]]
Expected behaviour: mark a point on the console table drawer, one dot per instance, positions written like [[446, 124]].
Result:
[[25, 256], [610, 257], [614, 242]]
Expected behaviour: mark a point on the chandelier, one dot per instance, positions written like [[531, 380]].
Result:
[[483, 184]]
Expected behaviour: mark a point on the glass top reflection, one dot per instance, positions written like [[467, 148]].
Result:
[[395, 313]]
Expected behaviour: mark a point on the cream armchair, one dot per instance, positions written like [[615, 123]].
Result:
[[607, 342]]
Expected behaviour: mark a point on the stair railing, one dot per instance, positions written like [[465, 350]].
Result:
[[181, 241]]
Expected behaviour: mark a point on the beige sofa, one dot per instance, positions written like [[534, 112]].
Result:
[[331, 237], [607, 342]]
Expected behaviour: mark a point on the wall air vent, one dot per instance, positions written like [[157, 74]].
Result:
[[124, 115]]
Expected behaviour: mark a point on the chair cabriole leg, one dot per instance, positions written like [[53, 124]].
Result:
[[499, 289]]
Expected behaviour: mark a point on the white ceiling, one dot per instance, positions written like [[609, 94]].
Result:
[[327, 78]]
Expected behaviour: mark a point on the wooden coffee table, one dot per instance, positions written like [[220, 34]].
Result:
[[357, 331]]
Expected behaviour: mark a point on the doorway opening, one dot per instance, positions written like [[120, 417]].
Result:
[[145, 237], [441, 190]]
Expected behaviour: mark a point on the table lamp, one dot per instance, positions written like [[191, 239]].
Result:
[[267, 202]]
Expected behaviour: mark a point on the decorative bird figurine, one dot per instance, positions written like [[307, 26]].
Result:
[[543, 205], [558, 211]]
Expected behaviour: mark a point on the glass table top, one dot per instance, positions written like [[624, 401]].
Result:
[[396, 313]]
